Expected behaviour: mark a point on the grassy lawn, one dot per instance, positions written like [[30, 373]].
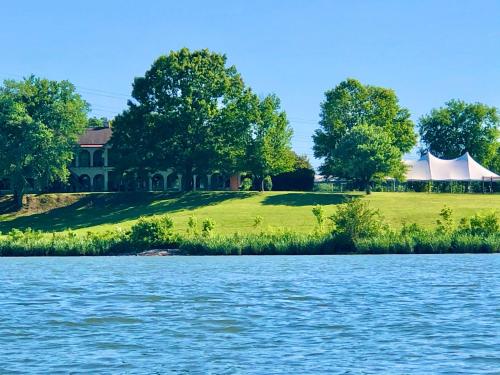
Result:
[[232, 211]]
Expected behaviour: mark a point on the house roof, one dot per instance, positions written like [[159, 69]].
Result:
[[95, 137]]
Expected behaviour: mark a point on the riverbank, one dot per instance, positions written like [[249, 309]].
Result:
[[284, 243], [354, 227]]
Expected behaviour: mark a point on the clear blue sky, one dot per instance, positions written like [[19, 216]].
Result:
[[427, 51]]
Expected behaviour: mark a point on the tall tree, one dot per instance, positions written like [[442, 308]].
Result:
[[190, 111], [450, 131], [95, 122], [269, 150], [352, 104], [40, 121], [366, 152]]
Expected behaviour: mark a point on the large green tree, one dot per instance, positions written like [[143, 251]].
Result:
[[269, 150], [40, 121], [366, 152], [352, 104], [190, 111], [450, 131]]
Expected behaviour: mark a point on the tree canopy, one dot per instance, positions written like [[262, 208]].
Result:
[[192, 112], [95, 122], [368, 152], [40, 121], [269, 151], [448, 132], [352, 107]]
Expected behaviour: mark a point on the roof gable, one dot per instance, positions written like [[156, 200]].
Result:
[[95, 136]]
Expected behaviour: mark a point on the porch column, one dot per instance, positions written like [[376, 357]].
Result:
[[91, 152], [150, 182], [105, 156], [209, 182], [105, 181], [179, 176], [194, 182]]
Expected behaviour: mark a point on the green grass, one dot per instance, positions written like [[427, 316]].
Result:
[[232, 211]]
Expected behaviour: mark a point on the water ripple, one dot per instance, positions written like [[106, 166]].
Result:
[[251, 315]]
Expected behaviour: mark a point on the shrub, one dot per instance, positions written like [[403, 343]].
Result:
[[192, 225], [154, 230], [268, 183], [446, 224], [246, 184], [411, 230], [356, 220], [257, 221], [480, 225], [208, 227], [319, 213], [301, 179]]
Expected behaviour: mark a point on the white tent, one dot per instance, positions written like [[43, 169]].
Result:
[[431, 168]]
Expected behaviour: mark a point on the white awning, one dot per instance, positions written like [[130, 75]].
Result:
[[431, 168]]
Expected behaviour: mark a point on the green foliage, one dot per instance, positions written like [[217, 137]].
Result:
[[300, 178], [95, 122], [486, 224], [268, 183], [208, 227], [366, 152], [320, 215], [297, 180], [450, 131], [35, 243], [269, 149], [192, 225], [356, 220], [351, 104], [411, 230], [40, 121], [352, 235], [154, 230], [446, 223], [190, 111], [257, 221], [246, 184]]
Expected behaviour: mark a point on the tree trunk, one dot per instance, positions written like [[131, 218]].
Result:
[[18, 186], [368, 188], [187, 179], [262, 184], [18, 198]]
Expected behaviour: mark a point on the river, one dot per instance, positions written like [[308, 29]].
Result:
[[394, 314]]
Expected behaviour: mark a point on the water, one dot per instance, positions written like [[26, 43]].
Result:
[[251, 315]]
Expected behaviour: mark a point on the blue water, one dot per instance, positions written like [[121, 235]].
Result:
[[251, 315]]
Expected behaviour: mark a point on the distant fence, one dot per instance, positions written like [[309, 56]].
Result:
[[487, 185]]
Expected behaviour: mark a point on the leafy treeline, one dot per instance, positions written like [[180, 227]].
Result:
[[354, 228], [193, 112], [40, 121], [364, 133], [450, 131]]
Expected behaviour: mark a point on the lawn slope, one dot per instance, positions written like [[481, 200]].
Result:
[[232, 211]]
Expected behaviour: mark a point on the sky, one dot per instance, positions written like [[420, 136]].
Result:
[[427, 51]]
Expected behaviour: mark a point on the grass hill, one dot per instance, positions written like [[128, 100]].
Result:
[[232, 211]]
